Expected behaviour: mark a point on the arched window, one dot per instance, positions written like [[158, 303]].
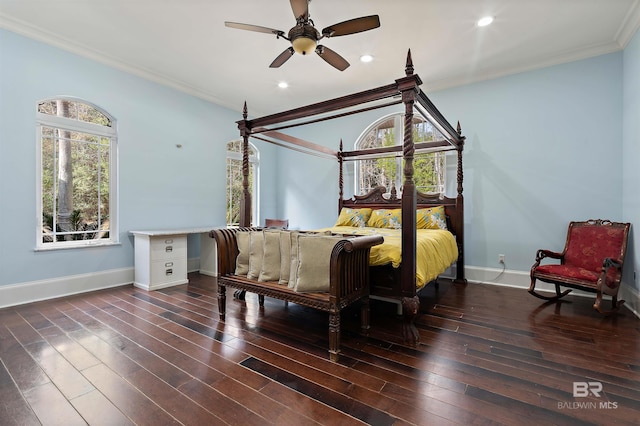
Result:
[[234, 181], [388, 131], [77, 182]]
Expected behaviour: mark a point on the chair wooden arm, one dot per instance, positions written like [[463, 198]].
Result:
[[542, 253]]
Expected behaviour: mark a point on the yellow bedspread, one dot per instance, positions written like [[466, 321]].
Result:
[[436, 250]]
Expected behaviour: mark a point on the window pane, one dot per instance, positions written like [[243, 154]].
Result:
[[387, 172], [74, 110], [75, 175]]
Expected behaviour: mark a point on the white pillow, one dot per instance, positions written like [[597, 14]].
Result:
[[285, 257], [314, 260], [242, 261], [270, 270], [256, 253]]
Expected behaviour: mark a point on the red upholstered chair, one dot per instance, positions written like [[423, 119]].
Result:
[[592, 260]]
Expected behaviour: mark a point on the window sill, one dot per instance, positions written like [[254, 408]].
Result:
[[77, 245]]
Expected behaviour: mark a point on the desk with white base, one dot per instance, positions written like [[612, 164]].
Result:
[[161, 256]]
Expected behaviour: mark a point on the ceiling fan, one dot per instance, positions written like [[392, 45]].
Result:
[[304, 37]]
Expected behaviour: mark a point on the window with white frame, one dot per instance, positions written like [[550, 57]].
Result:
[[77, 182], [234, 181], [429, 168]]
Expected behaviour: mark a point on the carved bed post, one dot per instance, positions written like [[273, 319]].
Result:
[[245, 202], [460, 275], [340, 177], [408, 86]]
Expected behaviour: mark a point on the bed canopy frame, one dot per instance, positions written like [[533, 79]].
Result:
[[405, 91]]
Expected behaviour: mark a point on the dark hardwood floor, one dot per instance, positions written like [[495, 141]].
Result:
[[488, 355]]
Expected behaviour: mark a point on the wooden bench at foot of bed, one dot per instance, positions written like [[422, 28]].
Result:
[[348, 278]]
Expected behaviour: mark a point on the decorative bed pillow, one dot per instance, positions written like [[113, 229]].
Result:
[[431, 218], [385, 218], [270, 270], [242, 261], [314, 258], [256, 253], [353, 217]]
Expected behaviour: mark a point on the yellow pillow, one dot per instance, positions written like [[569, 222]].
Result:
[[384, 218], [353, 217], [431, 218]]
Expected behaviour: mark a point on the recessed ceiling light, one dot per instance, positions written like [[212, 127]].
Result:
[[483, 22], [283, 85], [366, 58]]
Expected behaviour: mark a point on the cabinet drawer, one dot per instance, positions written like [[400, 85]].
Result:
[[166, 271], [168, 247]]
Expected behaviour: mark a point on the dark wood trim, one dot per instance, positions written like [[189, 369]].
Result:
[[407, 89]]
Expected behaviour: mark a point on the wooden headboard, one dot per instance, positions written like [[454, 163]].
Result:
[[377, 198]]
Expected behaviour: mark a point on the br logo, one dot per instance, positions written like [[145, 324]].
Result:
[[584, 389]]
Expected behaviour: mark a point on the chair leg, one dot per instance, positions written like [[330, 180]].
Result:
[[541, 296], [222, 300], [615, 304]]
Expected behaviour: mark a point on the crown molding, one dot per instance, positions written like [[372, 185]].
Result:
[[630, 25], [38, 34]]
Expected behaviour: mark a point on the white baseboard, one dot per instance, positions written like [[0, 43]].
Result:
[[521, 279], [21, 293], [34, 291]]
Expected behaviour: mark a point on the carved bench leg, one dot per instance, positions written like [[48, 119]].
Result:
[[222, 301], [239, 294], [334, 336], [261, 299], [365, 316], [410, 309]]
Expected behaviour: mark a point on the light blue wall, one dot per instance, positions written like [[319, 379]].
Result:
[[631, 155], [160, 185], [543, 148]]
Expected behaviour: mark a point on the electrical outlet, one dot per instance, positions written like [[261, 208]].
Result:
[[501, 259]]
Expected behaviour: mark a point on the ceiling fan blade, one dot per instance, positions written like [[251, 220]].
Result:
[[300, 9], [282, 58], [332, 58], [352, 26], [255, 28]]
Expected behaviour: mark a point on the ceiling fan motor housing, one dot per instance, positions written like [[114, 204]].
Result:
[[304, 38]]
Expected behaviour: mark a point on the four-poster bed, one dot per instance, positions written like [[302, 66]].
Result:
[[398, 283]]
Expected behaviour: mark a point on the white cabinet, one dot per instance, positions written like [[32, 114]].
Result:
[[161, 257]]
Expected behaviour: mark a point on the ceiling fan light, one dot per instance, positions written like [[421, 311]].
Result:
[[304, 45], [483, 22]]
